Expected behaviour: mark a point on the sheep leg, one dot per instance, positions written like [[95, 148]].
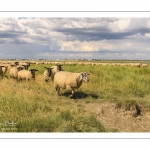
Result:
[[69, 88], [57, 90], [72, 93]]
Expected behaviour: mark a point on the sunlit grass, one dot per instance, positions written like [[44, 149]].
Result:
[[35, 106]]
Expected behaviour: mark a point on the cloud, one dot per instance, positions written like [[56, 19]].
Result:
[[74, 37]]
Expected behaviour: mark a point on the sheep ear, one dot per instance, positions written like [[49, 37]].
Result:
[[86, 73]]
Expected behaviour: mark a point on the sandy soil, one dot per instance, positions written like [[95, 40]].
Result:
[[122, 119]]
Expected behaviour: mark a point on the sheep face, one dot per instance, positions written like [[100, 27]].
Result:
[[28, 64], [85, 76], [16, 63], [49, 70], [59, 68], [33, 73], [25, 67], [19, 68]]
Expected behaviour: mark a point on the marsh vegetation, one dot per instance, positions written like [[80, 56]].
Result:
[[35, 107]]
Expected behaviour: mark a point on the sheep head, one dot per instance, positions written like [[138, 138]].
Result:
[[84, 76], [59, 68], [33, 72]]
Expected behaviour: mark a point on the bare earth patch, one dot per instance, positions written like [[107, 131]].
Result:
[[122, 119]]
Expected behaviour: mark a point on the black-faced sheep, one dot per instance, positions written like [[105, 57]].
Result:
[[26, 74], [56, 69], [47, 74], [13, 72]]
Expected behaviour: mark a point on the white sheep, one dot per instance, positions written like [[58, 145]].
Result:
[[47, 74], [137, 65], [4, 69], [24, 64], [69, 81], [13, 72], [15, 63], [26, 74], [144, 65]]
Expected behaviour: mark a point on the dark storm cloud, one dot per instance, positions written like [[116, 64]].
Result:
[[9, 34], [96, 34], [142, 31]]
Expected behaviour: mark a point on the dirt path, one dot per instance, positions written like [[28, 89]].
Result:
[[120, 119]]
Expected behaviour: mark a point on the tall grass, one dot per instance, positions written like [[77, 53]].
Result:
[[34, 106]]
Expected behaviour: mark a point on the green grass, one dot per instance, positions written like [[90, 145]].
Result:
[[35, 107]]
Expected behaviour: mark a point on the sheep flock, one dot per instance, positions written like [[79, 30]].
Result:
[[19, 71], [54, 73]]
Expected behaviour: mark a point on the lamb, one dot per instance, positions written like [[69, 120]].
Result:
[[69, 81], [26, 74], [47, 74], [55, 70], [13, 72]]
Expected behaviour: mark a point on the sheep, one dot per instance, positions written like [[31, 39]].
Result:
[[4, 69], [1, 71], [13, 72], [69, 81], [26, 74], [137, 65], [55, 70], [15, 63], [8, 66], [25, 67], [47, 74], [24, 64], [144, 65]]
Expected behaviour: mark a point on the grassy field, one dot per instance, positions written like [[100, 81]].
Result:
[[34, 107]]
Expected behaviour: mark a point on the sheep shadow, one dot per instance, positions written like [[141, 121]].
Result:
[[79, 95]]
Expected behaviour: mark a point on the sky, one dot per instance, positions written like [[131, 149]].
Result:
[[75, 38]]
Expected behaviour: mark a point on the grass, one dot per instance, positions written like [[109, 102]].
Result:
[[34, 106]]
